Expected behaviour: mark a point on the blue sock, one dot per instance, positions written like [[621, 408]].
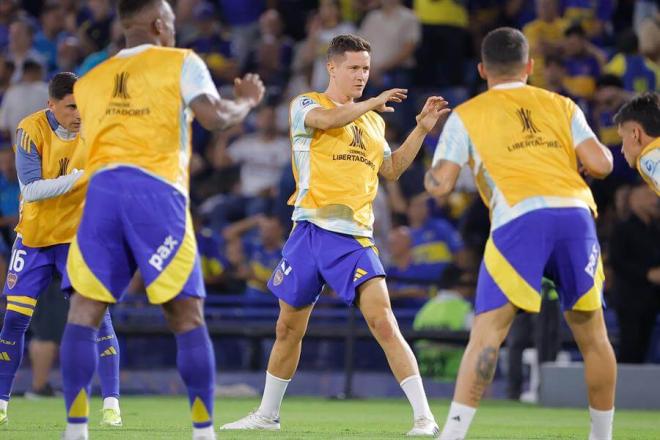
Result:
[[12, 341], [196, 362], [78, 357], [108, 351]]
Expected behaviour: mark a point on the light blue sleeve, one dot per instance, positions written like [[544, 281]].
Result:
[[580, 129], [454, 142], [196, 79], [300, 106], [387, 151], [28, 164]]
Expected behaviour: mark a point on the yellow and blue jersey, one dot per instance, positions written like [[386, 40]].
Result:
[[336, 170], [638, 74], [262, 263], [648, 165], [520, 143], [209, 245], [581, 75], [588, 12], [434, 245], [44, 151]]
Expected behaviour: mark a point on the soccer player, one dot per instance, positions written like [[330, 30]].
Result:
[[524, 145], [339, 149], [49, 162], [136, 108], [638, 124]]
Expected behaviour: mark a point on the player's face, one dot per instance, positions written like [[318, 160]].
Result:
[[66, 112], [350, 72], [630, 133]]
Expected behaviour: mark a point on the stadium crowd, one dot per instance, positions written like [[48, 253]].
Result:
[[598, 52]]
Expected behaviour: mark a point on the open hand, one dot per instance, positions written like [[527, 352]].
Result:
[[391, 95], [249, 88], [433, 109]]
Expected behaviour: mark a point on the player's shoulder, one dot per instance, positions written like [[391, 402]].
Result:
[[306, 99], [35, 122], [649, 160]]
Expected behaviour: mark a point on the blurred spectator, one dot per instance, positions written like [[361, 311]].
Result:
[[262, 156], [436, 243], [593, 15], [451, 310], [117, 43], [637, 73], [545, 36], [49, 36], [394, 33], [9, 200], [6, 72], [23, 98], [649, 38], [95, 24], [323, 27], [264, 256], [69, 55], [213, 262], [583, 63], [538, 330], [20, 48], [519, 12], [8, 12], [635, 259], [242, 17], [273, 52], [213, 45], [406, 278], [445, 45]]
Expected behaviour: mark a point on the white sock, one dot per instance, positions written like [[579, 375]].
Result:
[[601, 424], [205, 433], [273, 395], [3, 405], [76, 431], [111, 403], [458, 421], [414, 389]]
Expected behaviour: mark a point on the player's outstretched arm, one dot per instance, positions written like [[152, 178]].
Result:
[[595, 158], [325, 119], [400, 160], [215, 113]]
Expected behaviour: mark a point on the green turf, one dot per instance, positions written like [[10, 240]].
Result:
[[310, 418]]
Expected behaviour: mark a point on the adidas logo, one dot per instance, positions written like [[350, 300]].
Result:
[[4, 357], [359, 273], [109, 352]]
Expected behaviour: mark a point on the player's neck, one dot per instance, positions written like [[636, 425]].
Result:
[[492, 82], [338, 97], [140, 38]]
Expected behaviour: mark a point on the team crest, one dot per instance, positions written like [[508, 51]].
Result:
[[278, 277], [11, 279]]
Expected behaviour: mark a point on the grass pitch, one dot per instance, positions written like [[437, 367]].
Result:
[[313, 418]]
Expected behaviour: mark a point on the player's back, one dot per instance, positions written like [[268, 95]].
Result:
[[523, 137], [54, 220], [133, 113]]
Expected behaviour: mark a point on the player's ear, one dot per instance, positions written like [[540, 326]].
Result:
[[51, 104], [330, 65], [529, 68], [482, 71], [158, 26]]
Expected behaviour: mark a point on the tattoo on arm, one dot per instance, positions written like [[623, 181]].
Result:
[[485, 370]]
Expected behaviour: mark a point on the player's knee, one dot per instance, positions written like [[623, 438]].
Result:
[[384, 327], [286, 331], [184, 315], [86, 312]]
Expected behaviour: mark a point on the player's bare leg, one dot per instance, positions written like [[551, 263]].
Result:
[[282, 364], [374, 303], [195, 360], [78, 359], [42, 357], [477, 368], [599, 368]]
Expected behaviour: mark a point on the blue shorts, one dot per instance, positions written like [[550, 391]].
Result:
[[313, 256], [30, 272], [558, 242], [131, 221]]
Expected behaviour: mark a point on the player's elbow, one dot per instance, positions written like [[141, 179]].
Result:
[[600, 168], [435, 186]]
